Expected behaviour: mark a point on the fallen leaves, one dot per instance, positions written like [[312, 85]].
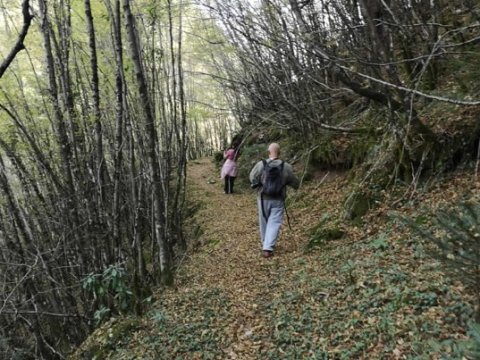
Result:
[[371, 295]]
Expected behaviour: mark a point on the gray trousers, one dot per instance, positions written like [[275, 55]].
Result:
[[270, 223]]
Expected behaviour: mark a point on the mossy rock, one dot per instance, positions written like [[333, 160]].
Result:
[[357, 205], [320, 235], [106, 339]]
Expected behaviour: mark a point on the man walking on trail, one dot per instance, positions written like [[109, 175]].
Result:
[[271, 177]]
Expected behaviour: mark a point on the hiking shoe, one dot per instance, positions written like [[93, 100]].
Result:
[[267, 253]]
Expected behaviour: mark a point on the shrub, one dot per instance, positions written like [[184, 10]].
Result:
[[111, 292]]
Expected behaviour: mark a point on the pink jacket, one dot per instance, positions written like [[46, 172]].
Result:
[[230, 166]]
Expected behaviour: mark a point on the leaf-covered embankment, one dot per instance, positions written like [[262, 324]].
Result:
[[370, 292]]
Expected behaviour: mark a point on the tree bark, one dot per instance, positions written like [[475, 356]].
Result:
[[163, 250], [100, 160]]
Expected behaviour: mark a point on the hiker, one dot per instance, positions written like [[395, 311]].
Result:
[[271, 177], [229, 169]]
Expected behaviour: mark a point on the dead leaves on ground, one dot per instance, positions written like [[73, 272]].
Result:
[[373, 294]]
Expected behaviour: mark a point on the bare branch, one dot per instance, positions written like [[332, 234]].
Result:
[[19, 46], [42, 313]]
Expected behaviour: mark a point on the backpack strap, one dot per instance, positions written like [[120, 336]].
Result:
[[265, 164], [281, 174]]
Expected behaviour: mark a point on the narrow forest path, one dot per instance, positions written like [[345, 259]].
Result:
[[229, 261]]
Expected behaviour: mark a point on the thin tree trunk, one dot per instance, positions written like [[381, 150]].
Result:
[[182, 151], [62, 136], [163, 251], [100, 160]]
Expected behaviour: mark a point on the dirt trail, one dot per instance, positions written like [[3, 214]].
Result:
[[230, 260], [359, 296]]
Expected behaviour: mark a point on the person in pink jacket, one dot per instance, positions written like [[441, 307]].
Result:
[[229, 169]]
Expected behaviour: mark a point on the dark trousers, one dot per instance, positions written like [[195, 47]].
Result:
[[229, 180]]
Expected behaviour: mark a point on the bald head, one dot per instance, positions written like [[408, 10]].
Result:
[[274, 150]]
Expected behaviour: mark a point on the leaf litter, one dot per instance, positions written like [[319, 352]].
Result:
[[371, 294]]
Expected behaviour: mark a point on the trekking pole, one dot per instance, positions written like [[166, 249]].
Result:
[[288, 217], [286, 212]]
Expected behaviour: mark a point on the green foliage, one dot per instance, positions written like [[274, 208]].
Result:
[[465, 73], [457, 235], [335, 151], [364, 198], [111, 289], [380, 243], [199, 335], [160, 319], [465, 349], [357, 204], [323, 232], [253, 153], [376, 302], [249, 156], [321, 236], [9, 350], [109, 338], [473, 346], [101, 315], [349, 269], [218, 157]]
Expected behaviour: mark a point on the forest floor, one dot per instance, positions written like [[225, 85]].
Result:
[[333, 290]]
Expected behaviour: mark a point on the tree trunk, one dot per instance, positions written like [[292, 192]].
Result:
[[100, 160], [163, 255]]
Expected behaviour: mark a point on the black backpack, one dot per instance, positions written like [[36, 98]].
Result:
[[272, 179]]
